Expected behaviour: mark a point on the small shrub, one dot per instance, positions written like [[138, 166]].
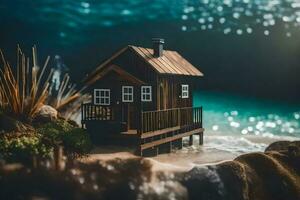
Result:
[[53, 131], [41, 140], [23, 148], [75, 140]]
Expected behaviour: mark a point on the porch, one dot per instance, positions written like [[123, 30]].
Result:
[[157, 131]]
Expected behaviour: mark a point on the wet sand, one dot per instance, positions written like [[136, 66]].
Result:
[[216, 149]]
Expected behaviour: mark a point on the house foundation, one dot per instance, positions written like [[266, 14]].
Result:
[[150, 152], [177, 144], [165, 148]]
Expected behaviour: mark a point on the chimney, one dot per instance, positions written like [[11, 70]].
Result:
[[158, 47]]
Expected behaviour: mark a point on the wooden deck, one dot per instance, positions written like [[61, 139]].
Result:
[[130, 132], [158, 131], [171, 138]]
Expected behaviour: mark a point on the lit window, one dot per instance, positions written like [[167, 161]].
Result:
[[184, 91], [146, 93], [127, 93], [102, 96]]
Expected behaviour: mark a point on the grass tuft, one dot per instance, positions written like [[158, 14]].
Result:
[[26, 87], [24, 91]]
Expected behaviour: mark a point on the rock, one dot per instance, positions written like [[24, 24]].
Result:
[[293, 150], [282, 145], [273, 175], [46, 114]]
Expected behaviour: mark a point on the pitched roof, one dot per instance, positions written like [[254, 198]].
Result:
[[117, 70], [170, 63]]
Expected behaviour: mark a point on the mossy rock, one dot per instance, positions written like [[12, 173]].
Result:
[[282, 146], [273, 175]]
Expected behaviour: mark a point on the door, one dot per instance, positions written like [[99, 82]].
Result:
[[125, 116], [129, 114], [128, 106]]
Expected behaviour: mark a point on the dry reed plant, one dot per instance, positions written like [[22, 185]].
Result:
[[68, 99], [25, 90]]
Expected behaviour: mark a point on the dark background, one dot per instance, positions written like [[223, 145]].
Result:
[[250, 64]]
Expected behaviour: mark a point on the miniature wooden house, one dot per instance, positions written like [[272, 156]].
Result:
[[143, 93]]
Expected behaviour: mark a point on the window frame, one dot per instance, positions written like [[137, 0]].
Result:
[[129, 94], [99, 97], [185, 91], [145, 94]]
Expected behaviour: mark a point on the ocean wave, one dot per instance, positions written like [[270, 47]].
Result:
[[216, 149], [236, 145], [239, 144]]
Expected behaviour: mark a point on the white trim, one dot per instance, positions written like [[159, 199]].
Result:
[[144, 94], [128, 94], [184, 91], [100, 99]]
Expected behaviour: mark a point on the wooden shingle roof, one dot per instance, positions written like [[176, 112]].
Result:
[[170, 63]]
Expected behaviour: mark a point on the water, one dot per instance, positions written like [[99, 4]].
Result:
[[235, 125], [239, 124], [241, 16], [228, 16], [237, 115]]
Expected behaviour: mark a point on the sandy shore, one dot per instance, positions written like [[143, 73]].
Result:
[[216, 149]]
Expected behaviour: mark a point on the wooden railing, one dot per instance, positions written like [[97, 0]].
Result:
[[96, 112], [148, 121], [170, 118]]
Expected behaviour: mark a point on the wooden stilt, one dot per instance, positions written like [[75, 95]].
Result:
[[139, 151], [191, 140], [180, 143], [201, 138]]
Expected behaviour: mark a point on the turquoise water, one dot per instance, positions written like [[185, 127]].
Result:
[[237, 115], [229, 16]]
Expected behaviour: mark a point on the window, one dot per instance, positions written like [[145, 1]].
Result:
[[127, 93], [146, 93], [102, 96], [184, 91]]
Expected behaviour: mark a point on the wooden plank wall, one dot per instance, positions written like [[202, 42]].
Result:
[[169, 84], [170, 88]]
